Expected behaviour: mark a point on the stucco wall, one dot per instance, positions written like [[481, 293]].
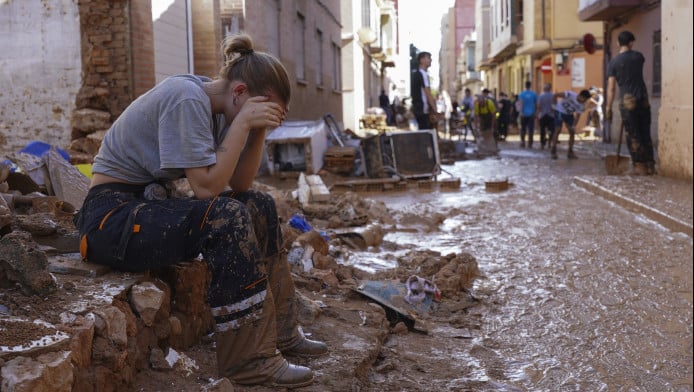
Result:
[[40, 71], [675, 117]]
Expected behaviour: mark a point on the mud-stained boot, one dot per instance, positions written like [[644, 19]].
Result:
[[290, 338], [249, 355]]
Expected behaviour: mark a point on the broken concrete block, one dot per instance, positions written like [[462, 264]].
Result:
[[68, 183]]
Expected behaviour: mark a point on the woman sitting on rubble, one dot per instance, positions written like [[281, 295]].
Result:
[[212, 132]]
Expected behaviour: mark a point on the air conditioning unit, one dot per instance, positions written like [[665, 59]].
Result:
[[415, 153], [409, 154]]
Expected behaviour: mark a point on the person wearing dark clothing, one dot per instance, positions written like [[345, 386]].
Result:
[[384, 103], [545, 104], [626, 70], [504, 116], [423, 103], [211, 132], [515, 110]]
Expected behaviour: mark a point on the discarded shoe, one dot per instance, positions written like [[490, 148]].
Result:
[[418, 288], [307, 348], [291, 376]]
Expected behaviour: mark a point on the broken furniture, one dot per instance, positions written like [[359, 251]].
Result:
[[407, 154]]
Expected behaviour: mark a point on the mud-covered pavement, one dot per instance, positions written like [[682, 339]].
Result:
[[577, 293]]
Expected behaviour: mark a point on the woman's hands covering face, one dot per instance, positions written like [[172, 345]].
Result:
[[261, 113]]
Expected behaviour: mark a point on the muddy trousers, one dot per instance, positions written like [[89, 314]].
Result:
[[238, 235], [637, 124]]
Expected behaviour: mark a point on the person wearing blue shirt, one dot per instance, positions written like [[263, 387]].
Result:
[[528, 100]]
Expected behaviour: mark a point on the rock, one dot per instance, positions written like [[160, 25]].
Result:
[[146, 298], [373, 235], [113, 328], [82, 336], [176, 327], [90, 120], [157, 360], [399, 329], [327, 277], [457, 275], [314, 239], [21, 261], [308, 310], [5, 214], [50, 372], [39, 224]]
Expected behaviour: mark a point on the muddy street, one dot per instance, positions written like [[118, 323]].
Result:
[[577, 293]]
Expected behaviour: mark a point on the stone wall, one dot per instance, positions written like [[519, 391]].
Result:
[[100, 346], [118, 66]]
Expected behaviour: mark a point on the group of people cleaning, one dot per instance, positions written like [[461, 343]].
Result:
[[489, 119]]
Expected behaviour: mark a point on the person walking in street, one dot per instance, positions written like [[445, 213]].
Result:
[[211, 132], [626, 70], [569, 108], [423, 102], [528, 99], [485, 117], [504, 117], [546, 116], [467, 108]]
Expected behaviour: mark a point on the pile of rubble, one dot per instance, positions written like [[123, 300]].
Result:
[[69, 325]]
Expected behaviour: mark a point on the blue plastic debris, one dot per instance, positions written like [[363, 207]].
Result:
[[39, 149], [299, 222]]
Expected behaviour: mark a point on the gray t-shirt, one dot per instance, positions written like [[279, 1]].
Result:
[[167, 129], [546, 103]]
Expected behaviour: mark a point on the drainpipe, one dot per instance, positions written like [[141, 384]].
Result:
[[607, 56]]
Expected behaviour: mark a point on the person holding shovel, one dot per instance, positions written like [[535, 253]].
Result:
[[212, 133], [626, 70]]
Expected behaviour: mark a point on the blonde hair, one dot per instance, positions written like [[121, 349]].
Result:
[[260, 71]]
